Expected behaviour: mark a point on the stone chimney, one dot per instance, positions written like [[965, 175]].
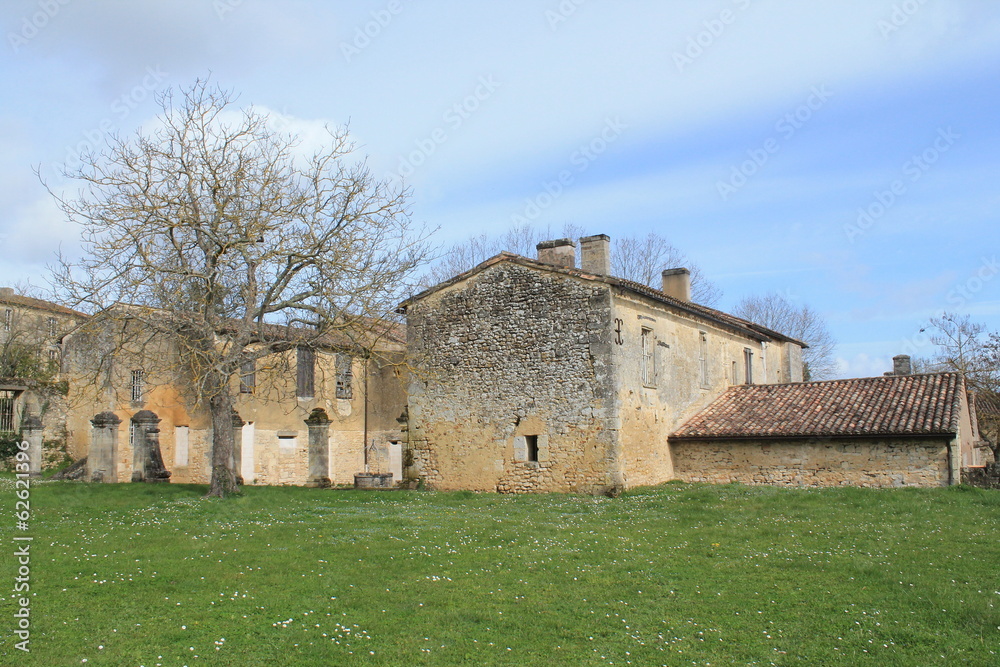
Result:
[[6, 292], [677, 283], [901, 365], [595, 254], [560, 252]]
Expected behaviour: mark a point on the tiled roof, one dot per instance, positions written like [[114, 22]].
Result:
[[755, 331], [893, 405], [987, 404], [39, 304]]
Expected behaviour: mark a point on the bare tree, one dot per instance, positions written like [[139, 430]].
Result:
[[965, 347], [644, 259], [776, 312], [229, 244], [639, 259]]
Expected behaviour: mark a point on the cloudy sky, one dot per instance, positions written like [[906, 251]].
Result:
[[841, 152]]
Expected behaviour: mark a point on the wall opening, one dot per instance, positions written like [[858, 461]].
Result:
[[531, 442]]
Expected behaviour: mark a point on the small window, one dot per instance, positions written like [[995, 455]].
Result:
[[305, 379], [138, 382], [748, 362], [248, 376], [345, 376], [51, 323], [735, 374], [8, 319], [703, 358], [531, 442], [648, 358], [53, 355], [287, 441]]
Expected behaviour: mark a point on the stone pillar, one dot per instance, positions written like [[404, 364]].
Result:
[[32, 432], [147, 460], [102, 458], [236, 462], [319, 448]]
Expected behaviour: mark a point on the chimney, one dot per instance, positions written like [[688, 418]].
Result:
[[560, 252], [901, 365], [595, 254], [677, 283], [6, 292]]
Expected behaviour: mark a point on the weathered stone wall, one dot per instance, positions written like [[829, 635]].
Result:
[[509, 353], [885, 462]]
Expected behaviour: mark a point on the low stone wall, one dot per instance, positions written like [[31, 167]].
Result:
[[985, 477], [881, 463]]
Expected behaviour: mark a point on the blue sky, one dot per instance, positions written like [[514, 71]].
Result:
[[751, 133]]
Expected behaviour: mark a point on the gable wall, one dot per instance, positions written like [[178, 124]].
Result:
[[508, 353]]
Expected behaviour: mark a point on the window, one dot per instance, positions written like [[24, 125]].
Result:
[[7, 398], [703, 358], [51, 323], [345, 377], [736, 373], [53, 355], [748, 362], [287, 441], [8, 319], [138, 382], [248, 376], [531, 442], [305, 377], [648, 358]]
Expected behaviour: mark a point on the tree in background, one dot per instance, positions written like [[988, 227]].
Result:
[[227, 245], [638, 259], [776, 312]]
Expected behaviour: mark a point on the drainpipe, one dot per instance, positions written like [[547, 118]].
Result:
[[365, 442]]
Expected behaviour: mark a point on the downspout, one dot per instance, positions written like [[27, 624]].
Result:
[[365, 443]]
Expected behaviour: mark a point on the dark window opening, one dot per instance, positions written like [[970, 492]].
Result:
[[7, 398], [306, 373], [531, 441]]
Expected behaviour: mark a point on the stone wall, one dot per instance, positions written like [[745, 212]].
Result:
[[507, 354], [886, 462]]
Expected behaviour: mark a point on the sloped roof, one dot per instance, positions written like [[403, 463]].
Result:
[[893, 406], [39, 304], [987, 404], [726, 320]]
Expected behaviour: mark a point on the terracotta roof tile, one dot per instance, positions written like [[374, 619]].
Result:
[[893, 405]]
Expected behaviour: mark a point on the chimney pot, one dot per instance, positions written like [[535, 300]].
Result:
[[677, 284], [595, 254], [558, 252]]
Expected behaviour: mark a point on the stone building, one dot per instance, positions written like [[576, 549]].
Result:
[[352, 396], [30, 356], [535, 375], [898, 430]]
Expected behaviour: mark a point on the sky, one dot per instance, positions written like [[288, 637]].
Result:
[[842, 153]]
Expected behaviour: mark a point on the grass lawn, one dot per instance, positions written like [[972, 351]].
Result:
[[674, 575]]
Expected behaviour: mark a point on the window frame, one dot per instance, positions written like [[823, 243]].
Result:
[[647, 368]]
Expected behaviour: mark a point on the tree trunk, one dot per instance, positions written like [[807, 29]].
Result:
[[223, 479]]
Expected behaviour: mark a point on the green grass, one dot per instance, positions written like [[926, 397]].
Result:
[[675, 575]]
